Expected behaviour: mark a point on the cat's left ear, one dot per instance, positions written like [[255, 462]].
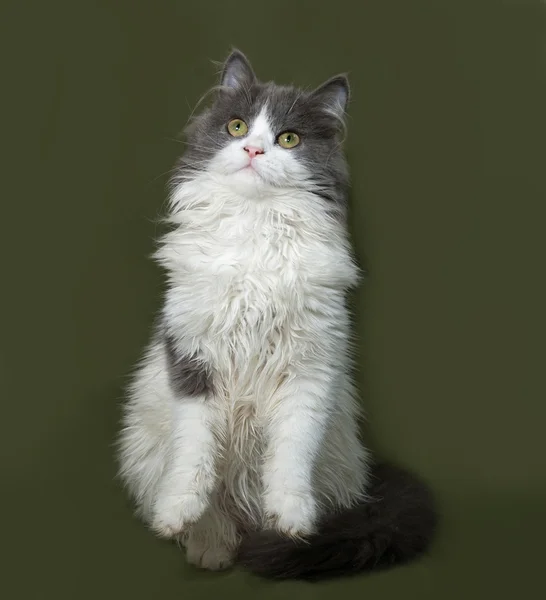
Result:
[[237, 71], [334, 95]]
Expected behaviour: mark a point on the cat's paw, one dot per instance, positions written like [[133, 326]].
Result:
[[292, 514], [213, 558], [173, 514]]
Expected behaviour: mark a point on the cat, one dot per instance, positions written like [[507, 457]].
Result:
[[240, 433]]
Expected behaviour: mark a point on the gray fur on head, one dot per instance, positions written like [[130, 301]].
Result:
[[317, 116]]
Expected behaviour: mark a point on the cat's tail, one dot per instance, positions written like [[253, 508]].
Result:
[[395, 526]]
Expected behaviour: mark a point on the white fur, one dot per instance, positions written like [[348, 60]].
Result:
[[257, 281]]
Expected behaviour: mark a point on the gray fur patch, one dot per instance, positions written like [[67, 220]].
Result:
[[188, 375], [316, 116]]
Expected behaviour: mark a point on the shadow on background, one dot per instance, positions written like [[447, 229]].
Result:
[[447, 150]]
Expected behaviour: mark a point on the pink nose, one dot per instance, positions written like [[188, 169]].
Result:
[[253, 151]]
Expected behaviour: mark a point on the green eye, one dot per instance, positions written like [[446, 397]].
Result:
[[288, 139], [237, 127]]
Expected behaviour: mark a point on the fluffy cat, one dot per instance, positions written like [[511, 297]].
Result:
[[240, 432]]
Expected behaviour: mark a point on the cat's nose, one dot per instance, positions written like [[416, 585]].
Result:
[[253, 151]]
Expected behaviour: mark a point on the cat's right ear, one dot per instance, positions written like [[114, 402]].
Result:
[[237, 71], [334, 95]]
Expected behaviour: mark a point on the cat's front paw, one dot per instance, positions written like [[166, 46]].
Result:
[[292, 514], [173, 514]]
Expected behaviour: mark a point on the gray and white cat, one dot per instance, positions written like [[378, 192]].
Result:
[[240, 433]]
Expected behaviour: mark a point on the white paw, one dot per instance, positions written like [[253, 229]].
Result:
[[213, 558], [173, 514], [293, 514]]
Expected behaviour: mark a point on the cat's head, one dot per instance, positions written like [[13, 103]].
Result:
[[261, 136]]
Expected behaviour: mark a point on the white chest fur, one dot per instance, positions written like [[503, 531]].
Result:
[[249, 276]]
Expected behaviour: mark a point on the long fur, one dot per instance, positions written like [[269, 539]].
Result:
[[242, 414], [395, 525]]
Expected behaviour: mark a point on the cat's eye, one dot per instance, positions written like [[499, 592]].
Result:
[[288, 139], [237, 127]]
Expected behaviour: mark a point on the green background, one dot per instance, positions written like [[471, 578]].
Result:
[[446, 143]]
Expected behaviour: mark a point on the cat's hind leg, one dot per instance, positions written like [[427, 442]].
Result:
[[144, 440], [212, 541]]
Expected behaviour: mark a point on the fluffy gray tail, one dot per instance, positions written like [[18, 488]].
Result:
[[394, 527]]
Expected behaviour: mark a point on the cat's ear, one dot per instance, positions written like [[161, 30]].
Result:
[[237, 71], [334, 95]]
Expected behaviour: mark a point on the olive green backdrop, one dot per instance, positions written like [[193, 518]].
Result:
[[447, 150]]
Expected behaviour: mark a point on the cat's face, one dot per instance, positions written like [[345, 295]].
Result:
[[258, 136]]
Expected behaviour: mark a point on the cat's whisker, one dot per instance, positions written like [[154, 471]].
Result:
[[169, 172], [201, 100], [336, 147], [177, 141], [297, 98]]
